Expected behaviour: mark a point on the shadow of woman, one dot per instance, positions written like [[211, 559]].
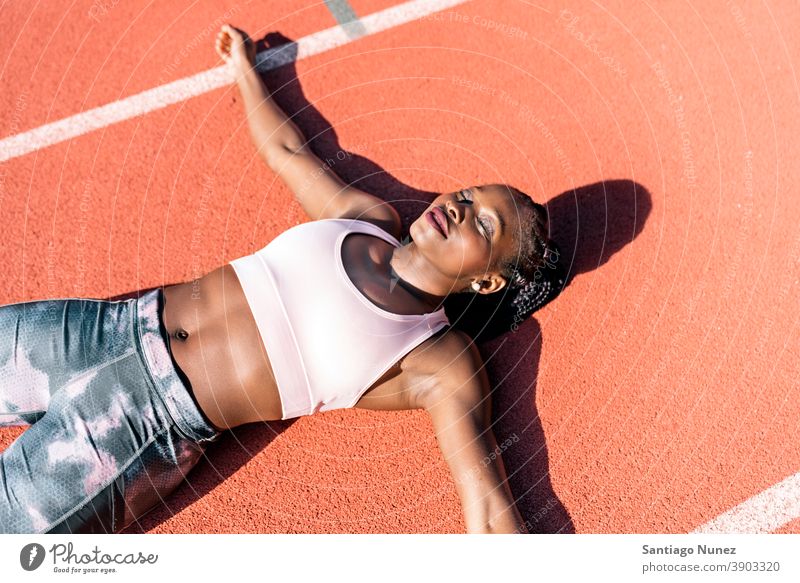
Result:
[[611, 214]]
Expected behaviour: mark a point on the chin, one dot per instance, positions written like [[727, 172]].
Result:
[[414, 230], [422, 241], [421, 233]]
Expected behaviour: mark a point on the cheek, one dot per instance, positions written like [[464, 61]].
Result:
[[468, 255], [476, 249]]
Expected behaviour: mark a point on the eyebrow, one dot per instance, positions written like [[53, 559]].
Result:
[[497, 215]]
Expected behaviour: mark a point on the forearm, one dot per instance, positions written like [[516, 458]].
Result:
[[493, 510], [269, 125], [503, 516], [507, 520]]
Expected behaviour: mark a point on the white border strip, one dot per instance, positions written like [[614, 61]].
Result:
[[177, 91], [762, 513]]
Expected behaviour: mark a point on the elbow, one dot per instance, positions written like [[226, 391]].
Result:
[[501, 524], [477, 522], [295, 146], [487, 528], [508, 521], [519, 528], [291, 139], [478, 527], [276, 155]]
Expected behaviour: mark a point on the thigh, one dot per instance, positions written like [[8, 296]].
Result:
[[46, 344], [101, 442], [147, 480]]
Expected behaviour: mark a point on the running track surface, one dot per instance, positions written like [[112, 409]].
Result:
[[657, 394]]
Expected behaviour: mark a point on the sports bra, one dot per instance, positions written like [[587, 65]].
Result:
[[326, 341]]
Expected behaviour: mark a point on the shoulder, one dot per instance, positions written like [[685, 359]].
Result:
[[443, 349], [447, 361], [384, 217]]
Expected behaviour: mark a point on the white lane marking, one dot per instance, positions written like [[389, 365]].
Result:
[[177, 91], [114, 112], [764, 512]]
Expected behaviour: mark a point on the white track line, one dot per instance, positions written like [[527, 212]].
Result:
[[762, 513], [177, 91]]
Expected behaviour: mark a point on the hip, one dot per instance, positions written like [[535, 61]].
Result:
[[107, 411]]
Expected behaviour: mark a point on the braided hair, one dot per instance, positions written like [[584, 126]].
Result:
[[535, 277], [534, 293]]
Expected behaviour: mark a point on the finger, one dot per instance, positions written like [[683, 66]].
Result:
[[232, 31]]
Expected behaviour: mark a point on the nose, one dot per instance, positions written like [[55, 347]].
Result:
[[455, 211]]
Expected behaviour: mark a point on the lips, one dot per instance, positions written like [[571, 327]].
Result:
[[438, 219]]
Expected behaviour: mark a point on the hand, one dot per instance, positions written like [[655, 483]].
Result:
[[236, 48]]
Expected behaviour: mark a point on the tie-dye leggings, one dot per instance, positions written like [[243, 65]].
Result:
[[113, 429]]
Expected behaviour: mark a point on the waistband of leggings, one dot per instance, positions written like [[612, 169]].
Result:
[[151, 335]]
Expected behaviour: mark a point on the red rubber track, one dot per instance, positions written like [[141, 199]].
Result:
[[658, 392]]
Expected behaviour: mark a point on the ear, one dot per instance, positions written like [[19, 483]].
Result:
[[491, 284]]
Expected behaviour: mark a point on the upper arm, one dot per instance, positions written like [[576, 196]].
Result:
[[323, 195], [460, 410]]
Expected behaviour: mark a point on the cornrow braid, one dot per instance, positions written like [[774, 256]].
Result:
[[534, 293]]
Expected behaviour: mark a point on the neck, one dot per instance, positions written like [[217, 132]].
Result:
[[415, 274]]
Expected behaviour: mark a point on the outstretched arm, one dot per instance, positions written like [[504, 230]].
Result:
[[460, 409], [282, 145], [269, 126]]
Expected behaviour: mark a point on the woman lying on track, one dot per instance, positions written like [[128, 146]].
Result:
[[123, 397]]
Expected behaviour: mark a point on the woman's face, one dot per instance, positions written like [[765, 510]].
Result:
[[467, 234]]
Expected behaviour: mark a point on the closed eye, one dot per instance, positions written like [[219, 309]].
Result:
[[487, 230]]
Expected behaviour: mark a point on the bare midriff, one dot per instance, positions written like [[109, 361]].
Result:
[[216, 344]]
